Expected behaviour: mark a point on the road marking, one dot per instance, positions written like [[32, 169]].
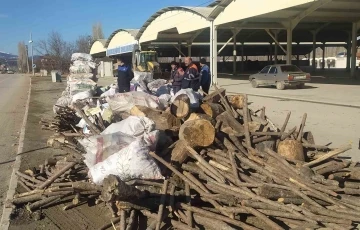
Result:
[[5, 219]]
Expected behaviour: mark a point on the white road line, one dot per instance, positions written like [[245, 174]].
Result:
[[5, 219]]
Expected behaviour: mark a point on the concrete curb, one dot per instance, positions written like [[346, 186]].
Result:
[[301, 100], [5, 219]]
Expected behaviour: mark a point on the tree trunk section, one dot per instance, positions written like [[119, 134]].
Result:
[[198, 132], [163, 120], [180, 107], [236, 101]]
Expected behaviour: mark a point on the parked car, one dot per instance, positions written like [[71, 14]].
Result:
[[280, 76], [10, 72]]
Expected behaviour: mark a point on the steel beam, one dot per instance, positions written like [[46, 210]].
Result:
[[178, 49], [314, 52], [289, 46], [293, 22], [276, 40]]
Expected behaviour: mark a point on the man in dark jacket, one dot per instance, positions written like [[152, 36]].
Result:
[[124, 77], [205, 79], [191, 76]]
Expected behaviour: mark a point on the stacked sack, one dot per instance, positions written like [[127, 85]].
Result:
[[81, 81]]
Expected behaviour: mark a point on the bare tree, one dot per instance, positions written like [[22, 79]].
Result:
[[97, 31], [56, 49], [83, 44], [22, 57]]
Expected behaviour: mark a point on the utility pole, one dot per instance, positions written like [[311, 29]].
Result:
[[32, 55], [27, 58]]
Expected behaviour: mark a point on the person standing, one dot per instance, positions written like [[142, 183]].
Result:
[[174, 71], [125, 75], [177, 80], [191, 76], [205, 79]]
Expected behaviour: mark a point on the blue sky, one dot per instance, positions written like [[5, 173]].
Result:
[[74, 17]]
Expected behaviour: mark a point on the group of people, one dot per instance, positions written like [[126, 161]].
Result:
[[191, 77], [180, 79]]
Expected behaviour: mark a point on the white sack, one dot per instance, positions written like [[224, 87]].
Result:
[[98, 148], [82, 95], [63, 101], [133, 126], [111, 91], [83, 63], [123, 102], [143, 76], [131, 162], [81, 57]]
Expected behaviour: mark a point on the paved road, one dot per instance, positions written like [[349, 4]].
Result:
[[13, 96], [347, 95]]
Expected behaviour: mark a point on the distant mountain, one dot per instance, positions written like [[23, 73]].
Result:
[[8, 56]]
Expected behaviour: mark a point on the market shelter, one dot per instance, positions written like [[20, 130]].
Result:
[[300, 20], [98, 48]]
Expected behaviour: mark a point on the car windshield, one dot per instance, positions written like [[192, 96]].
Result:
[[290, 68]]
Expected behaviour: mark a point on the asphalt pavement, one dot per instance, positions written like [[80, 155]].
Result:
[[13, 97]]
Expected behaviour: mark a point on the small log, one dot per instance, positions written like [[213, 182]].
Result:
[[162, 204], [197, 133], [275, 193], [214, 97], [163, 120], [229, 123], [328, 155], [116, 189], [285, 123], [236, 101], [216, 216], [210, 223], [40, 203], [132, 220], [212, 109], [246, 122], [264, 218], [225, 103], [180, 107], [57, 175], [332, 166], [189, 214], [122, 219], [92, 127], [27, 199], [291, 149], [179, 153], [301, 129]]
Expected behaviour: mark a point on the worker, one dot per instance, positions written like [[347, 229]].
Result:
[[191, 76], [205, 79], [173, 71], [177, 80], [125, 75]]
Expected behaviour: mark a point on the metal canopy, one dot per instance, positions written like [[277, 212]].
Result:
[[175, 24]]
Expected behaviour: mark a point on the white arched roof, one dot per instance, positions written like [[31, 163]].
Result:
[[98, 47], [178, 20], [121, 41]]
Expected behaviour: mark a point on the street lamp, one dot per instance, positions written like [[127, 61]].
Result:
[[32, 55]]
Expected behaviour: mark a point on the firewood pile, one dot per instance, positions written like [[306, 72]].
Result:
[[229, 167]]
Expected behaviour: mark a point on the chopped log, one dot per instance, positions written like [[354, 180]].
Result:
[[179, 153], [301, 129], [92, 127], [40, 203], [27, 199], [122, 219], [212, 109], [180, 107], [264, 218], [163, 120], [236, 101], [197, 133], [291, 149], [225, 103], [196, 116], [214, 97]]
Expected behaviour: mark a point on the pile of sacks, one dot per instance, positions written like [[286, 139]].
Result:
[[81, 82]]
